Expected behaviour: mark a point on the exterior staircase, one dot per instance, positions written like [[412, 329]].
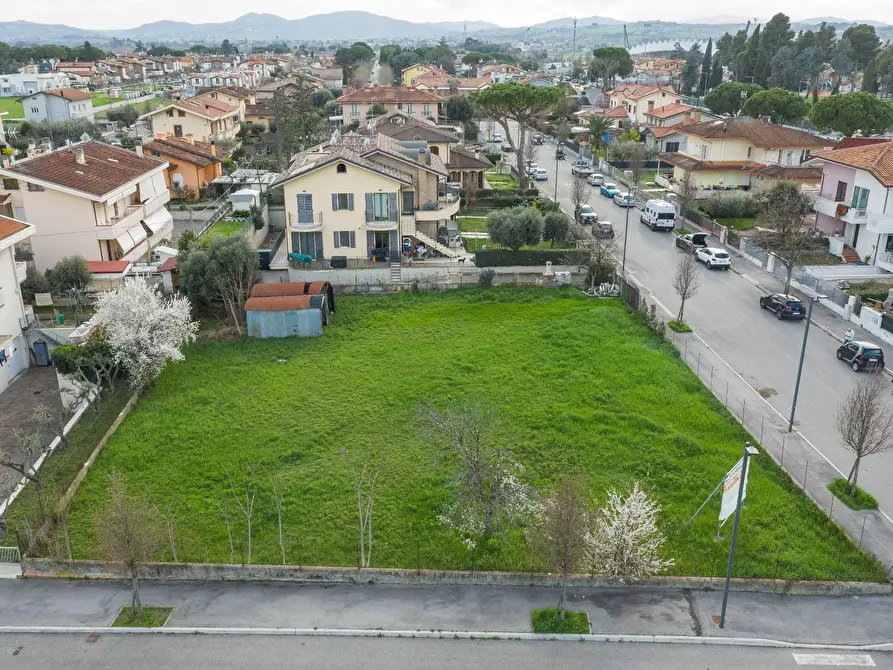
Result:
[[434, 244], [396, 273], [850, 255]]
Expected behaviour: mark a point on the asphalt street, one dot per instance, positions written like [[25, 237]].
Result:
[[726, 314]]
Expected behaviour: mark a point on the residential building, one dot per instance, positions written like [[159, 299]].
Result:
[[237, 96], [191, 164], [538, 80], [308, 80], [409, 74], [855, 202], [499, 73], [92, 199], [641, 99], [13, 85], [616, 114], [357, 105], [269, 90], [744, 153], [663, 139], [332, 77], [58, 104], [261, 113], [203, 117], [14, 354], [674, 114], [356, 196], [449, 85], [78, 73]]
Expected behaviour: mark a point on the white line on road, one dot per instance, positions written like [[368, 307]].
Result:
[[852, 660]]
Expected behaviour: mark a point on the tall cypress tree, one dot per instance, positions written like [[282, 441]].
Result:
[[706, 65], [869, 77], [715, 73]]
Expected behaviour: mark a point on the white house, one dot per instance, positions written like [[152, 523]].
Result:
[[58, 104], [12, 85], [13, 348]]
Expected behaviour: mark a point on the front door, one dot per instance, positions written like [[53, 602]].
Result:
[[855, 235]]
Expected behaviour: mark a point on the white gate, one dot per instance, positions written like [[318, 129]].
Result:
[[10, 563]]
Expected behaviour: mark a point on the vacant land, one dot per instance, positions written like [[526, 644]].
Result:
[[579, 384], [13, 106], [226, 228]]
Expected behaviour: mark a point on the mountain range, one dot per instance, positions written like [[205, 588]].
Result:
[[353, 25]]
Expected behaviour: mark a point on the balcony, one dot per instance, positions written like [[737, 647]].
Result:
[[445, 207], [880, 224], [116, 225], [828, 205], [300, 224]]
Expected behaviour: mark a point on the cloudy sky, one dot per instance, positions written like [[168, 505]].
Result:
[[108, 14]]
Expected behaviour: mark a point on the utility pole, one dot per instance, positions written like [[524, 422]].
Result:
[[812, 303]]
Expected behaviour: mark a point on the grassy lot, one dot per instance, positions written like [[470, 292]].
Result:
[[11, 105], [472, 224], [153, 103], [226, 228], [100, 98], [579, 384], [474, 244], [500, 181], [739, 224], [862, 499]]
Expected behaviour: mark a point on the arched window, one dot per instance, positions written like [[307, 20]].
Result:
[[435, 150], [341, 168]]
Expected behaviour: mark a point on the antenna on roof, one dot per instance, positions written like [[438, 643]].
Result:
[[84, 137]]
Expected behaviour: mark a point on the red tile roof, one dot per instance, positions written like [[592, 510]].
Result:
[[168, 265], [67, 93], [636, 92], [667, 111], [277, 303], [108, 267], [9, 227], [758, 132], [196, 153], [663, 131], [877, 159], [203, 105], [850, 142], [389, 95]]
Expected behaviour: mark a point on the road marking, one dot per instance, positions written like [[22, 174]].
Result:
[[852, 660]]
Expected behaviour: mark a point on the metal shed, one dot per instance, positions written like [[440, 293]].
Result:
[[285, 316], [299, 288]]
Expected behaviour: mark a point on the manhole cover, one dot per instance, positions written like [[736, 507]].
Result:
[[93, 638], [767, 392]]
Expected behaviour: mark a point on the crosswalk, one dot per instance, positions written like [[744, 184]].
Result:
[[835, 660]]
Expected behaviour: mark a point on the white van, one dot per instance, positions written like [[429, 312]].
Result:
[[659, 214]]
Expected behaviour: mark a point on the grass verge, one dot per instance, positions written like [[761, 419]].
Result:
[[862, 499], [682, 230], [679, 326], [472, 224], [547, 621], [738, 224], [153, 617], [473, 244]]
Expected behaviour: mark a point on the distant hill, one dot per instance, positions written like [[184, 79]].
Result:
[[568, 22]]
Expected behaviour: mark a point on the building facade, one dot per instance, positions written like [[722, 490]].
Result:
[[14, 355], [58, 104]]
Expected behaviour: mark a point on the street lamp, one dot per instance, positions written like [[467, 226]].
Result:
[[625, 237], [812, 302]]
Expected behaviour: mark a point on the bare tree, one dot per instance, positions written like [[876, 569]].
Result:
[[167, 512], [636, 164], [245, 496], [51, 420], [278, 498], [686, 282], [30, 445], [625, 541], [365, 478], [600, 267], [580, 192], [128, 533], [531, 151], [560, 533], [686, 193], [865, 423]]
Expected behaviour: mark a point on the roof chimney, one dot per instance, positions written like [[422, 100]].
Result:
[[190, 138], [138, 148], [213, 149], [423, 156], [79, 156]]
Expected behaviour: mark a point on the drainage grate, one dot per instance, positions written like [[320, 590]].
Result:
[[767, 392]]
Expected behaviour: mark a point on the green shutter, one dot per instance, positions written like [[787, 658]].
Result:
[[350, 201], [335, 233], [392, 206], [334, 202], [370, 242]]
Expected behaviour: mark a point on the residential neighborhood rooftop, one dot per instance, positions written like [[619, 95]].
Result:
[[389, 95], [758, 132], [65, 93], [195, 153], [634, 91], [877, 159], [9, 227], [667, 111]]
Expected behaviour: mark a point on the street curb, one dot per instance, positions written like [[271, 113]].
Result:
[[443, 635]]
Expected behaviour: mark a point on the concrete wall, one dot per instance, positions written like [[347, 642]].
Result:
[[64, 225], [11, 310]]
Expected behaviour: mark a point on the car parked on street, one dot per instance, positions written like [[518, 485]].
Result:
[[582, 170], [531, 168], [608, 189], [624, 199], [595, 179], [507, 147], [691, 241], [586, 214], [540, 175], [784, 306], [604, 230], [537, 139], [861, 355], [658, 215], [497, 137], [714, 258]]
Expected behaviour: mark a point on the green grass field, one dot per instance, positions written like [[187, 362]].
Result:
[[580, 385], [478, 243], [739, 224], [226, 228], [11, 105], [472, 224], [502, 182]]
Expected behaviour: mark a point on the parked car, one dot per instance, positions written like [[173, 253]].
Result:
[[497, 137], [582, 170], [580, 162], [530, 168], [624, 199], [714, 258], [537, 139], [659, 215], [691, 241], [540, 175], [587, 214], [596, 179], [608, 189], [506, 147], [559, 153], [605, 229], [861, 355], [784, 306]]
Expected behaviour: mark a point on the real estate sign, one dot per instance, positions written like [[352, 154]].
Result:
[[730, 491]]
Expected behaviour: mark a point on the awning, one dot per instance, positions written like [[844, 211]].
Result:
[[147, 191], [130, 238], [158, 220]]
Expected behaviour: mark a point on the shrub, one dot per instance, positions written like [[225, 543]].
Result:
[[485, 279], [493, 157], [516, 227], [529, 257], [730, 206], [241, 213], [547, 621]]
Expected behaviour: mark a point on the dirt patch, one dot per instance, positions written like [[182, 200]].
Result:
[[767, 392]]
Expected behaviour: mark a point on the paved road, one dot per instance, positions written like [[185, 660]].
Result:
[[726, 314], [149, 652]]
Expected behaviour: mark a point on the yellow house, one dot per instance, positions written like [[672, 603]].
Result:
[[204, 117], [417, 70], [744, 154], [237, 96], [357, 197]]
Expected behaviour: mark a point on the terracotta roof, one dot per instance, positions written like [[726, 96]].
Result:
[[9, 227], [850, 142], [275, 84], [234, 91], [384, 144], [410, 131], [462, 160], [278, 303], [877, 159], [535, 77], [618, 112], [105, 168], [308, 161], [260, 109], [667, 111], [690, 163], [203, 105], [178, 148], [664, 131], [636, 92], [280, 288], [389, 95], [66, 93], [108, 267], [758, 132], [784, 172], [168, 265]]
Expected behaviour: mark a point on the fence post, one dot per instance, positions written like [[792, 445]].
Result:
[[805, 473], [699, 365], [762, 421], [711, 377], [863, 531], [727, 394], [783, 437], [744, 411]]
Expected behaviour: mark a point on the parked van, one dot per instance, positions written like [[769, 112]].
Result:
[[659, 214]]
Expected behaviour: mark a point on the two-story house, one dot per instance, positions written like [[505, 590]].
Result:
[[356, 196], [14, 355], [58, 104], [102, 202], [25, 84], [191, 164], [676, 113], [332, 77], [855, 203], [499, 73], [203, 117], [237, 96], [637, 100], [449, 85], [408, 75], [358, 105], [744, 154]]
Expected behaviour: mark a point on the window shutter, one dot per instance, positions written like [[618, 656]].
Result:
[[368, 208], [295, 244], [350, 201], [337, 246], [392, 206], [353, 239], [394, 242], [318, 245], [370, 242], [334, 202]]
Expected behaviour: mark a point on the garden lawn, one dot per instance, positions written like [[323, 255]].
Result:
[[13, 106], [472, 224], [739, 224], [500, 182], [580, 385], [226, 228]]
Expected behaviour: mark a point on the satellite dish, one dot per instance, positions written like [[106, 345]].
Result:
[[85, 137]]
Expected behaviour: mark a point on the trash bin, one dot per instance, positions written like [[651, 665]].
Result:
[[60, 317]]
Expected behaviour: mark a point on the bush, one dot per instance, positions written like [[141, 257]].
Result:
[[862, 499], [493, 157], [679, 326], [529, 257], [732, 206], [485, 279], [516, 227], [241, 213]]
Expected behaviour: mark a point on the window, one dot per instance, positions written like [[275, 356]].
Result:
[[750, 152], [789, 158], [11, 184], [305, 208], [169, 113], [35, 187], [840, 196], [345, 239], [379, 203], [409, 202], [354, 111], [341, 168], [702, 149], [671, 147], [426, 110], [35, 110], [860, 198], [409, 109], [342, 202], [180, 112]]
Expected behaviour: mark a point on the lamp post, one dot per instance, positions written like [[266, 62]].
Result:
[[812, 302], [625, 237], [749, 452]]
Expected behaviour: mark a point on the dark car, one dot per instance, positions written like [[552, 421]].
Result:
[[604, 230], [537, 139], [784, 306], [861, 355], [691, 241]]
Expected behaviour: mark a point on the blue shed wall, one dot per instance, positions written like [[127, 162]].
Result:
[[293, 323]]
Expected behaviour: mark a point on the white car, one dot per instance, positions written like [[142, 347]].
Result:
[[531, 168], [714, 258], [497, 137], [596, 179], [624, 199], [540, 175]]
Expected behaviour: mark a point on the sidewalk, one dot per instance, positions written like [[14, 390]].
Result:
[[802, 619]]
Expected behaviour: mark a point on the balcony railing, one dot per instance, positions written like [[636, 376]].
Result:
[[303, 223], [135, 211]]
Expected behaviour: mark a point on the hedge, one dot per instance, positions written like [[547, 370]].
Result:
[[493, 158], [507, 257]]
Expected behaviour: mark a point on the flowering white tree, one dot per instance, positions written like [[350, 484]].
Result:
[[625, 541], [144, 329]]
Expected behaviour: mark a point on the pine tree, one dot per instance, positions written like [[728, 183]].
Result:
[[706, 65], [869, 78], [715, 73]]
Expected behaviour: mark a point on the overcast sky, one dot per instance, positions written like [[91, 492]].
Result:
[[130, 13]]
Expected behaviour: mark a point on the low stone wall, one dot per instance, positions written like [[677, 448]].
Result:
[[211, 572]]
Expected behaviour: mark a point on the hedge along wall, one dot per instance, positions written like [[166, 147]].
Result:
[[527, 257]]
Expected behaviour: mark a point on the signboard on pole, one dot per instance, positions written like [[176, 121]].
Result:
[[730, 491]]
